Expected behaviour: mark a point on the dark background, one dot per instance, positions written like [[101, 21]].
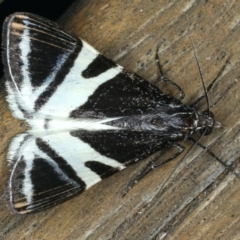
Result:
[[50, 9]]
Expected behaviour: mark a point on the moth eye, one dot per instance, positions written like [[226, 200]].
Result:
[[208, 113]]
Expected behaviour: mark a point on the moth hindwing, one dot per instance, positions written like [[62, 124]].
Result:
[[89, 117]]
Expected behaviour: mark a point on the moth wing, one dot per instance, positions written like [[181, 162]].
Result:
[[51, 169], [44, 174], [47, 67]]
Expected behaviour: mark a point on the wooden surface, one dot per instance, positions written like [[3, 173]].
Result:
[[196, 199]]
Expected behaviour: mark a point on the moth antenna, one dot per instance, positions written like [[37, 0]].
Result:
[[201, 75], [179, 163], [206, 90], [211, 84], [208, 151], [228, 167]]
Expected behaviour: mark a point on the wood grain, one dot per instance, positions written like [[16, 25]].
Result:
[[196, 199]]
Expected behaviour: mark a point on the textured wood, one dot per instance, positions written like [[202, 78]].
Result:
[[196, 199]]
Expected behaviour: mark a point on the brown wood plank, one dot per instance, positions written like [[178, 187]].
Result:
[[199, 200]]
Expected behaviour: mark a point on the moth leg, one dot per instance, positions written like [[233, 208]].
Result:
[[150, 166], [180, 150], [166, 80], [228, 168], [181, 94]]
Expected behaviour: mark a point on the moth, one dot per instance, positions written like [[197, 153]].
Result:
[[89, 117]]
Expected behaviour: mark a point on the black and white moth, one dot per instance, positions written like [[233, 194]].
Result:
[[89, 117]]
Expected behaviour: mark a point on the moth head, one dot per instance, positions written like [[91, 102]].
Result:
[[207, 122]]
